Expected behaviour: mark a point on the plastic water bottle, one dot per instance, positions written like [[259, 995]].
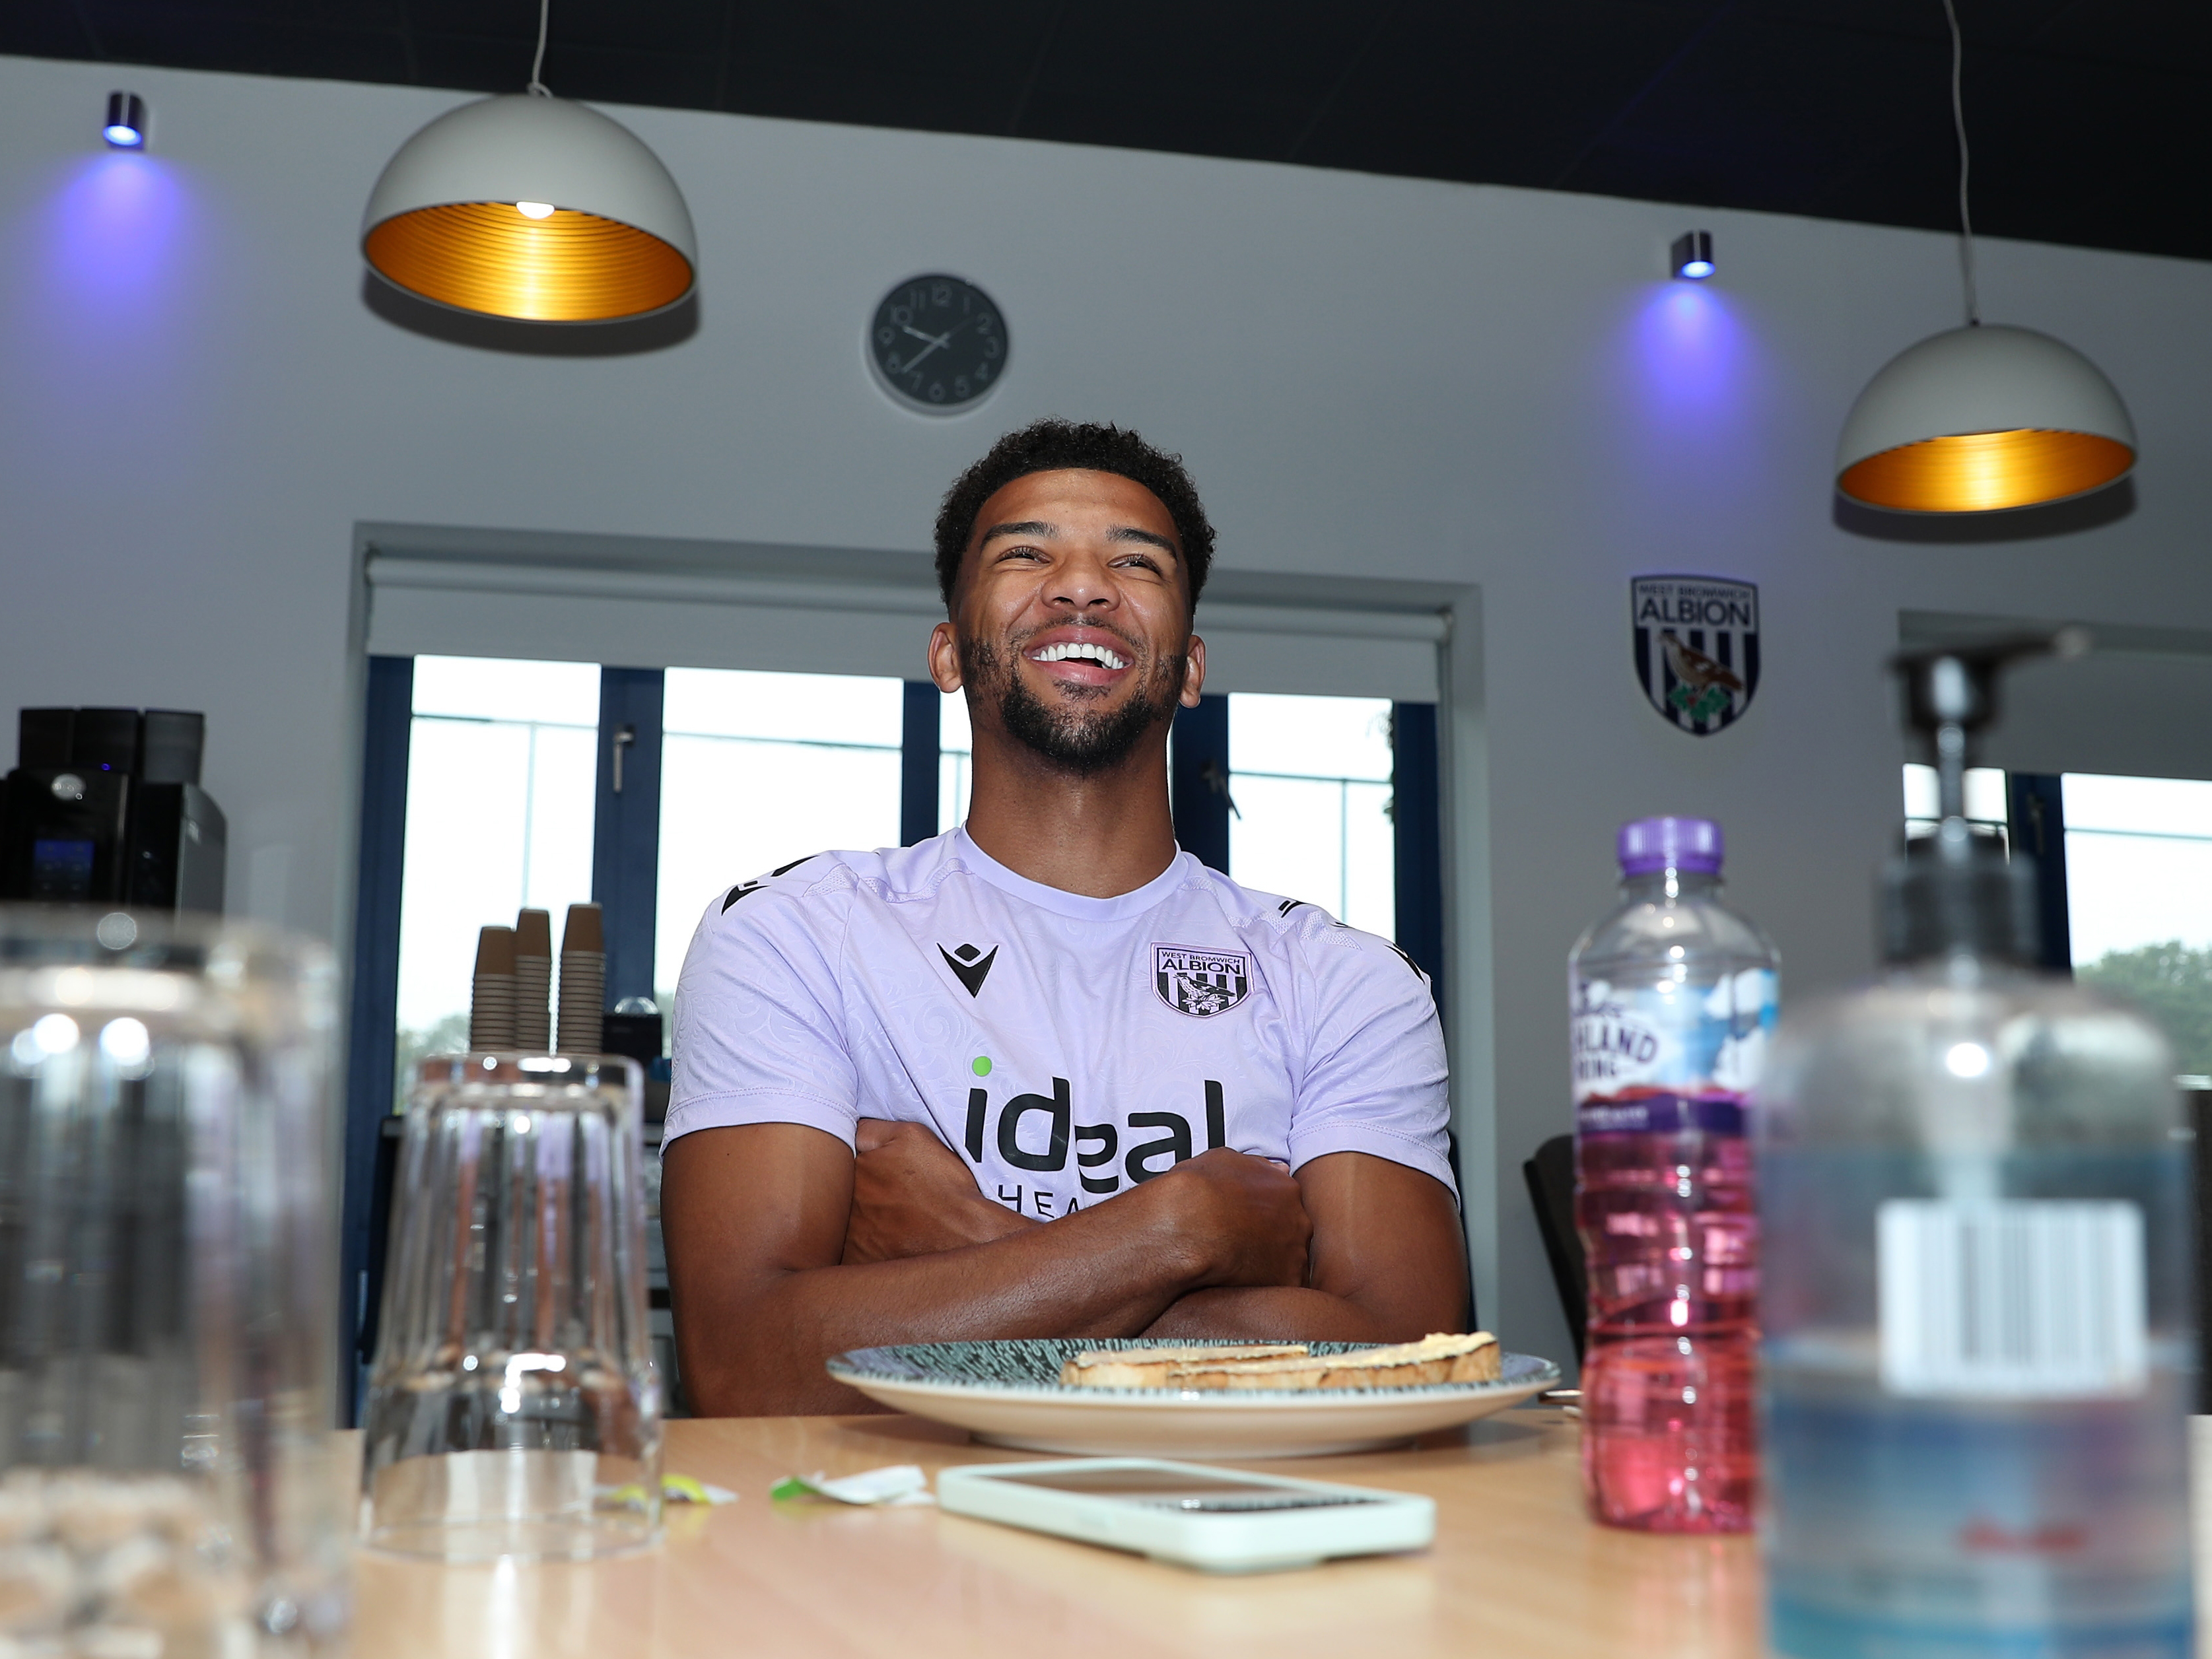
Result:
[[1976, 1305], [1674, 997]]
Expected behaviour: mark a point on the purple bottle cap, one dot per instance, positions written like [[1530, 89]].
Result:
[[1649, 845]]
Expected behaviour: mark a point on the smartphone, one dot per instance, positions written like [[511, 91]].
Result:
[[1215, 1519]]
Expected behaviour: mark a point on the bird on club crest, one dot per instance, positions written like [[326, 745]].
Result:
[[1694, 668]]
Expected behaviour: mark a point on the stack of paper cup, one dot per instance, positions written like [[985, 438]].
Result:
[[581, 1026], [533, 982], [491, 1005]]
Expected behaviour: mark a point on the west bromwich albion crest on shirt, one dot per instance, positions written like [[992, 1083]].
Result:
[[1067, 1048]]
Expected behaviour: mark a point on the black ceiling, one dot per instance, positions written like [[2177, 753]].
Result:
[[2091, 119]]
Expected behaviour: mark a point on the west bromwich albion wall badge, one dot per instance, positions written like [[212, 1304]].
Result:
[[1697, 648]]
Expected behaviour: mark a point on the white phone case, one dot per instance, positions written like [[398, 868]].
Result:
[[1216, 1520]]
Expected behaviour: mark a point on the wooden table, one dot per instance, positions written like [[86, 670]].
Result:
[[1515, 1569]]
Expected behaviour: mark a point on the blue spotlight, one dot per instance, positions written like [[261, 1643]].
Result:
[[126, 121], [1692, 255]]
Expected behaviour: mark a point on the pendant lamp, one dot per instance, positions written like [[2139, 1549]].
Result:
[[1982, 419], [533, 208]]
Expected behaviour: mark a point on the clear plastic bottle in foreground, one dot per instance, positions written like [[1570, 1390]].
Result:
[[1976, 1357], [1673, 994]]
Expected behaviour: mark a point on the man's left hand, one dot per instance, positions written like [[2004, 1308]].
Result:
[[912, 1196]]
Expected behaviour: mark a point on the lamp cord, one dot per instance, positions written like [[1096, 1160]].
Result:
[[1959, 123], [538, 88]]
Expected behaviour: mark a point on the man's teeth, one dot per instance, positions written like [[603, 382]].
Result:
[[1098, 653]]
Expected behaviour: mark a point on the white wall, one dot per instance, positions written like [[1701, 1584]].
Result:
[[1400, 378]]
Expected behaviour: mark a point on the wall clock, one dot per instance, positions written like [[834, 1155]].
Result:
[[938, 344]]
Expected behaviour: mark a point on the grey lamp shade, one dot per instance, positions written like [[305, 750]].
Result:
[[1978, 420], [532, 207]]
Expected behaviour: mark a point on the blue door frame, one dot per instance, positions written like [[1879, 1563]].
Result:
[[374, 1008]]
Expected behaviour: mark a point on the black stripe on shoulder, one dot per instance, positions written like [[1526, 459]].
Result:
[[758, 882], [1409, 962], [1289, 905]]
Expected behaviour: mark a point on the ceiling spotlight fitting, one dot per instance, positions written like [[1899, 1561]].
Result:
[[126, 128], [1692, 255]]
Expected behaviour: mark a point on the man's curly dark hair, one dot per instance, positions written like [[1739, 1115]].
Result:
[[1052, 445]]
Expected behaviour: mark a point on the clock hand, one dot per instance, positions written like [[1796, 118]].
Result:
[[935, 342]]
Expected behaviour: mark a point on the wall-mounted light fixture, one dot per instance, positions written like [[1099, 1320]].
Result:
[[1691, 256], [126, 121]]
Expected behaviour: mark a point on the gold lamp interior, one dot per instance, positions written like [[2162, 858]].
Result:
[[1986, 471], [568, 267]]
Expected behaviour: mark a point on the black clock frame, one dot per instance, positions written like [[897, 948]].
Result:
[[910, 387]]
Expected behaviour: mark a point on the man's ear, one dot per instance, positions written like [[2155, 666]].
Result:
[[1194, 672], [944, 657]]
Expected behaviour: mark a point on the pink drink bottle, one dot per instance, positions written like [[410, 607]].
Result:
[[1674, 997]]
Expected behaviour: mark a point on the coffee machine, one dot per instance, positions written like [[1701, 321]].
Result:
[[104, 807]]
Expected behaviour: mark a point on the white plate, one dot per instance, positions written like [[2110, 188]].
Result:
[[1008, 1393]]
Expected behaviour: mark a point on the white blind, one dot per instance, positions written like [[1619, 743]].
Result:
[[820, 611]]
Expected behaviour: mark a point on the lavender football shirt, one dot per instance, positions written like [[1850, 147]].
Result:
[[1067, 1048]]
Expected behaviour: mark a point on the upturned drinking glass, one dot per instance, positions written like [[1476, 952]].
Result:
[[514, 1410], [167, 1265]]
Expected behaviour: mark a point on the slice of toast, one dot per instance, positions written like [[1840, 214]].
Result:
[[1148, 1368], [1435, 1359]]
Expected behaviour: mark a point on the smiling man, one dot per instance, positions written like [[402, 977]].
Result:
[[1047, 1075]]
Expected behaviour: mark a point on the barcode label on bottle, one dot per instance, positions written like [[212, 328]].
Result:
[[2016, 1299]]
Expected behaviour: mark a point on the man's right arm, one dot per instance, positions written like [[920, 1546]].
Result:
[[754, 1218]]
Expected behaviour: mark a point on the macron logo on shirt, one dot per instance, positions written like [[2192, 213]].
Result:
[[970, 965]]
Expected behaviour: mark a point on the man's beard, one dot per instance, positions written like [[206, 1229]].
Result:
[[1076, 742]]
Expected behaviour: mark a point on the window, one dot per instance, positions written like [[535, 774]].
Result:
[[956, 761], [500, 785], [2138, 863], [1986, 799], [757, 769], [1309, 781], [2139, 899], [2131, 886]]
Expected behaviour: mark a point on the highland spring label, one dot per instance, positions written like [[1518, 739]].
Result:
[[1663, 1057]]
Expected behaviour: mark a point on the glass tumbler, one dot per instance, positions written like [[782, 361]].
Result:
[[168, 1268], [513, 1410]]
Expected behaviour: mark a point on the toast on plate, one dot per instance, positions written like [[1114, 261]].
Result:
[[1235, 1369], [1435, 1359], [1148, 1368]]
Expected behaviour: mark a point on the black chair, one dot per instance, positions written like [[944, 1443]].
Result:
[[1550, 1177]]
